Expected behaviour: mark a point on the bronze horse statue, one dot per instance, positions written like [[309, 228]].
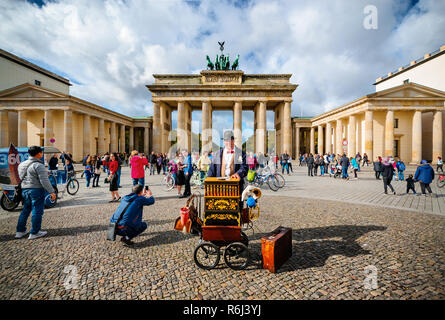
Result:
[[210, 65], [235, 63]]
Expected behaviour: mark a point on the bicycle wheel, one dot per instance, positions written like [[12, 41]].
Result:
[[272, 182], [206, 255], [281, 182], [72, 186], [168, 182]]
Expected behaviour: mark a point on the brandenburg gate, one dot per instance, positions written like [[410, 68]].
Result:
[[215, 90]]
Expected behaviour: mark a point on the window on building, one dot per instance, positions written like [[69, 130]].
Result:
[[37, 82], [396, 148], [43, 123], [396, 123]]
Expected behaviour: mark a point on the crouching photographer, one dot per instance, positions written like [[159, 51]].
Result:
[[127, 219]]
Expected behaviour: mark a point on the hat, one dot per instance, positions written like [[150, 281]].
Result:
[[228, 135], [423, 162]]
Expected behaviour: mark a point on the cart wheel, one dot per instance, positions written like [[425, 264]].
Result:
[[206, 255], [236, 256]]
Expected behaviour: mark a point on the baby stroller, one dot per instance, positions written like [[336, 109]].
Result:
[[338, 171]]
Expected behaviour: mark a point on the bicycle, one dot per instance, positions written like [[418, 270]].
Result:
[[71, 186], [268, 178], [168, 181], [441, 180], [196, 180]]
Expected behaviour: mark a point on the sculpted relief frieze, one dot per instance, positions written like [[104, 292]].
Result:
[[218, 93]]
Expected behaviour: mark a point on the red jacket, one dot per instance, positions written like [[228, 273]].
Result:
[[113, 166]]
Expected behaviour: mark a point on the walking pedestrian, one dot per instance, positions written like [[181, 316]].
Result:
[[400, 165], [137, 168], [439, 164], [188, 171], [425, 175], [410, 184], [378, 167], [355, 166], [113, 166], [344, 162], [34, 181], [88, 171], [387, 174], [310, 165], [97, 162]]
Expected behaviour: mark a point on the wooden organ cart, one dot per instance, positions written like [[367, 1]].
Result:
[[221, 226]]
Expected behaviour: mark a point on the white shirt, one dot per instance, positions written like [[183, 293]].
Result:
[[228, 159]]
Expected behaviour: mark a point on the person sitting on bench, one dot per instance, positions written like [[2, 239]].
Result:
[[130, 224]]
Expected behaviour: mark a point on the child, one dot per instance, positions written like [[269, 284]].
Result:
[[410, 184]]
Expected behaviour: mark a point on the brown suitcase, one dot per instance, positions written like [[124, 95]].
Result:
[[276, 248]]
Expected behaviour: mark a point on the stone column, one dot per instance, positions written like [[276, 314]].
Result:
[[338, 137], [157, 130], [416, 155], [22, 121], [313, 140], [297, 142], [369, 135], [286, 126], [261, 128], [210, 135], [389, 133], [48, 132], [328, 138], [68, 131], [437, 135], [131, 139], [238, 123], [146, 140], [180, 131], [101, 137], [320, 148], [205, 115], [113, 137], [163, 120], [122, 138], [86, 134], [4, 128], [352, 143], [189, 128]]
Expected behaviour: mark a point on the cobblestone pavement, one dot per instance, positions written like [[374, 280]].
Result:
[[333, 244]]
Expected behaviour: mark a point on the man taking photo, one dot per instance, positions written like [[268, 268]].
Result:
[[128, 216]]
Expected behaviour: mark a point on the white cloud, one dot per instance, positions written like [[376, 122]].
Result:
[[113, 47]]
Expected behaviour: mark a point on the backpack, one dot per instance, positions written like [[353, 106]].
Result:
[[251, 175], [402, 167]]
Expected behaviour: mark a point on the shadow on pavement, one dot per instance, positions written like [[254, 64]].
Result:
[[311, 247]]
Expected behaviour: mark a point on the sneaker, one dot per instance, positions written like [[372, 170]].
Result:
[[127, 241], [394, 192], [117, 200], [37, 235], [19, 235]]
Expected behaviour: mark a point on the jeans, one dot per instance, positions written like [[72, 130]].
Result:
[[322, 170], [140, 181], [187, 190], [386, 184], [426, 186], [285, 166], [88, 176], [118, 172], [401, 176], [131, 232], [96, 180], [345, 172], [33, 200], [152, 168]]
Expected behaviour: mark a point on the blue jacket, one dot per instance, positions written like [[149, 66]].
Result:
[[189, 168], [133, 216], [424, 173]]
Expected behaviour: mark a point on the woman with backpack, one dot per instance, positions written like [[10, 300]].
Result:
[[387, 174]]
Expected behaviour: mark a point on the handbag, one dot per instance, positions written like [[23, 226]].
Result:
[[97, 171], [111, 231]]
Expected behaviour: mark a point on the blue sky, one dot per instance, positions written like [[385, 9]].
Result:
[[110, 49]]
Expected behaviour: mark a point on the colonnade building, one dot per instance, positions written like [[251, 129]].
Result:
[[403, 118]]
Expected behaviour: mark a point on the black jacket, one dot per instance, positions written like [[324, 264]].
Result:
[[388, 172]]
